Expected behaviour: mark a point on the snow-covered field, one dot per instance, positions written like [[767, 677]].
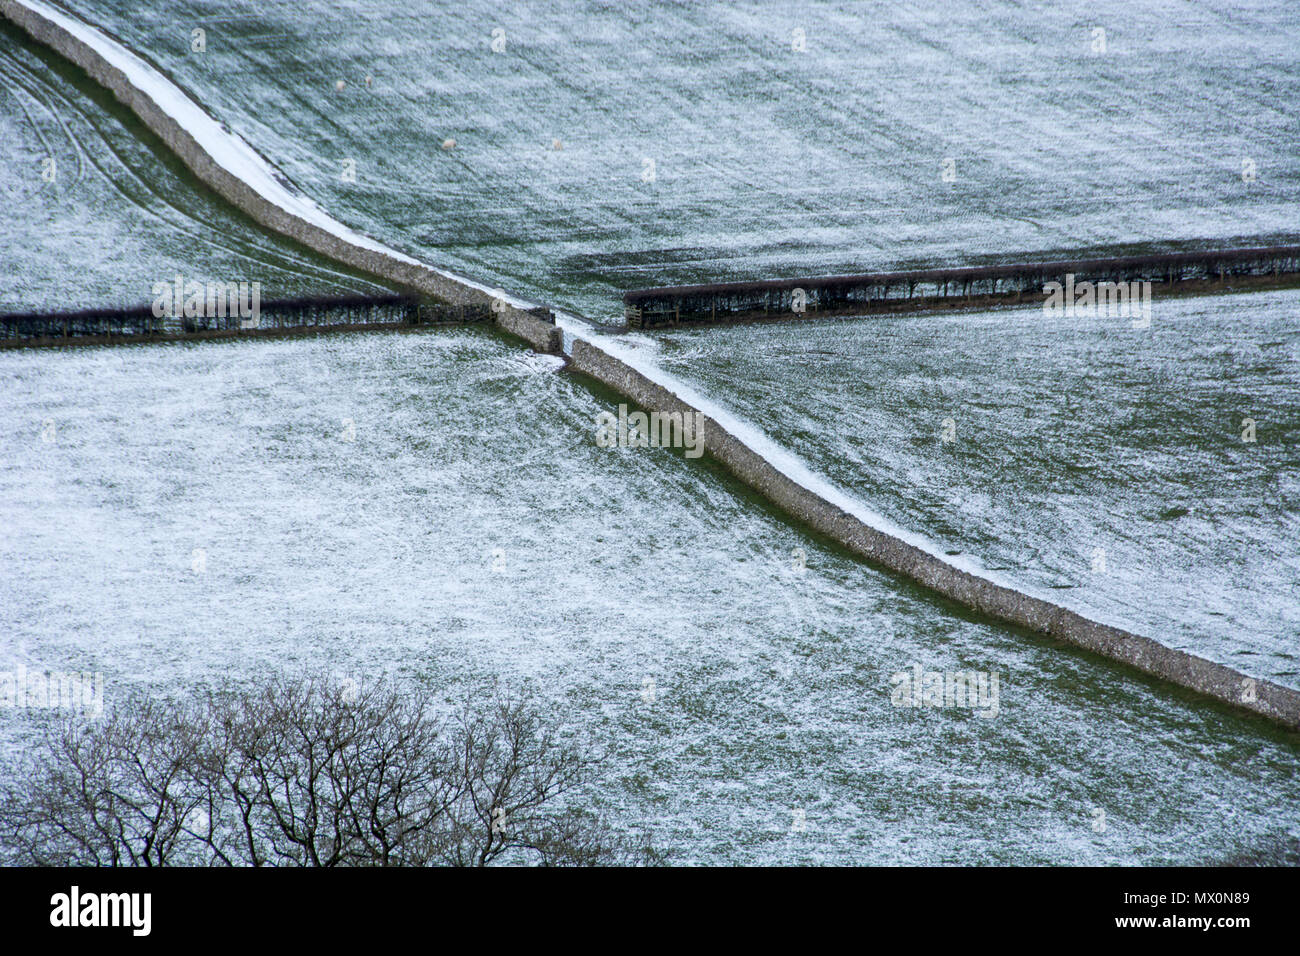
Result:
[[111, 214], [696, 142], [435, 504], [1146, 478]]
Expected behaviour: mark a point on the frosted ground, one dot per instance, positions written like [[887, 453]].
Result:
[[771, 688], [120, 213], [1102, 466], [774, 160], [767, 161], [380, 555]]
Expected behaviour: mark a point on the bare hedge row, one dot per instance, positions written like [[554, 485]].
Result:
[[310, 772]]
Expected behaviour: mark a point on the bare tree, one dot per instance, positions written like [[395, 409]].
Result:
[[309, 772], [511, 770], [111, 793]]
